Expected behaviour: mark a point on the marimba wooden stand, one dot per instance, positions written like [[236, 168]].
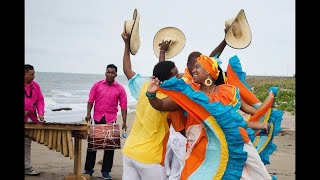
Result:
[[77, 163], [43, 132]]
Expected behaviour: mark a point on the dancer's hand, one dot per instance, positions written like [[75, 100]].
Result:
[[153, 85], [125, 37], [164, 45], [265, 127]]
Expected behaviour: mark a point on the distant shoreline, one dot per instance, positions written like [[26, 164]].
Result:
[[247, 76]]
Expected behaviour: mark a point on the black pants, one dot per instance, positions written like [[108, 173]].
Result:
[[107, 156]]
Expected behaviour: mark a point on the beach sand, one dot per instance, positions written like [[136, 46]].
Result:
[[54, 166]]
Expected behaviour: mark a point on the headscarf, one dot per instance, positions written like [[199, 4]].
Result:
[[210, 65]]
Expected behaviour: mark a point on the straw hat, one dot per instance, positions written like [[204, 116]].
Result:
[[238, 35], [178, 40], [131, 27]]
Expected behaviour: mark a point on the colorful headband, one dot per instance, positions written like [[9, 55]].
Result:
[[210, 65]]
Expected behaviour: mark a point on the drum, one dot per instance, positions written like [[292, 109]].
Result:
[[104, 137]]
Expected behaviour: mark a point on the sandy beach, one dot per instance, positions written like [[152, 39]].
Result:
[[54, 166]]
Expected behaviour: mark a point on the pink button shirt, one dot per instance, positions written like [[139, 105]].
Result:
[[33, 101], [105, 98]]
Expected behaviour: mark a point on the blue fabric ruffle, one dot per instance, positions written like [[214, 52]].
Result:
[[227, 120], [265, 150], [234, 62], [275, 117]]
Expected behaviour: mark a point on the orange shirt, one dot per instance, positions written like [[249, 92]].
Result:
[[177, 119], [227, 96]]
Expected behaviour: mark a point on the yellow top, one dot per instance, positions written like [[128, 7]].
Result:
[[147, 140]]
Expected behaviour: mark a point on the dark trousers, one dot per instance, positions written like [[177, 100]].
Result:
[[107, 156]]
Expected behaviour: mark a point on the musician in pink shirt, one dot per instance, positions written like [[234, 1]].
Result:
[[33, 102], [33, 112], [105, 96]]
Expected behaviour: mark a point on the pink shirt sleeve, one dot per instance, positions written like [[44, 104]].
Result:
[[93, 93], [40, 100]]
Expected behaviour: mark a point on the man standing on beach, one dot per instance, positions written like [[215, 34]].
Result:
[[105, 95], [33, 112]]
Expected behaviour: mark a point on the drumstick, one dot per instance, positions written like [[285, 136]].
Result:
[[29, 109]]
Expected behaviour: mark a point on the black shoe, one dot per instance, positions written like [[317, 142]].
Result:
[[89, 172], [106, 175]]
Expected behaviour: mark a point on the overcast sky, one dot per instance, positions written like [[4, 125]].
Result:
[[84, 36]]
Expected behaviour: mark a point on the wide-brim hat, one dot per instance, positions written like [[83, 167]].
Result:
[[173, 34], [238, 33], [131, 27]]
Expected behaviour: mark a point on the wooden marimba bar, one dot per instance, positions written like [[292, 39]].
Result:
[[58, 136]]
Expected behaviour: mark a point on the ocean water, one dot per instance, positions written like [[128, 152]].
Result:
[[68, 90]]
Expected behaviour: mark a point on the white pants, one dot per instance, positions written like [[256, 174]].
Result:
[[27, 151], [134, 170], [175, 154], [254, 167]]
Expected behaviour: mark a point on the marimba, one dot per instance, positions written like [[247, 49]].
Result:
[[58, 136]]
